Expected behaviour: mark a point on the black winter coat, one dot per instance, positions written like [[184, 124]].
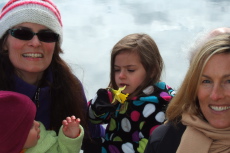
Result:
[[165, 138]]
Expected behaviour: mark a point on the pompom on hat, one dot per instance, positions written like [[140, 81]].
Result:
[[42, 12], [17, 113]]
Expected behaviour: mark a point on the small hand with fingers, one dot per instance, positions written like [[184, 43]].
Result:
[[71, 127]]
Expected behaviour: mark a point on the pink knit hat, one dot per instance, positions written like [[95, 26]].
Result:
[[42, 12], [17, 113]]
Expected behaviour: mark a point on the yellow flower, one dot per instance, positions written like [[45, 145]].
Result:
[[119, 96]]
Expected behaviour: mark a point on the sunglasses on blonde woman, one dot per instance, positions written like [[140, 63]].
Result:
[[26, 34]]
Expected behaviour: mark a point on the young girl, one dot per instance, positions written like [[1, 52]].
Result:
[[134, 103], [21, 133]]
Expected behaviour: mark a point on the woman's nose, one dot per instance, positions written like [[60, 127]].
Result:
[[35, 42], [217, 93]]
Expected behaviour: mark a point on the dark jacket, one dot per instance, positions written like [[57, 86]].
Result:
[[43, 97], [165, 138], [44, 107]]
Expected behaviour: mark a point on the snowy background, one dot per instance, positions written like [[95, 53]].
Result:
[[92, 27]]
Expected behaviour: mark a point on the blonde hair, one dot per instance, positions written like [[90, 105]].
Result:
[[204, 37], [185, 99]]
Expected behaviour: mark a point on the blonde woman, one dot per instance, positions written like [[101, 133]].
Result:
[[198, 116]]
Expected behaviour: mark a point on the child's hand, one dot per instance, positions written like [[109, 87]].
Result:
[[71, 127], [102, 102]]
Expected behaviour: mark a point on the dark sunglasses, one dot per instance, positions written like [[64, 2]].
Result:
[[26, 34]]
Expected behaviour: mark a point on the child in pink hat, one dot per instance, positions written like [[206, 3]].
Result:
[[21, 133]]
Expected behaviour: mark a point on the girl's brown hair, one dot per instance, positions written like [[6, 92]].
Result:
[[146, 48]]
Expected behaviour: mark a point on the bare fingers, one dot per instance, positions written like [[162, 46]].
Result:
[[71, 120]]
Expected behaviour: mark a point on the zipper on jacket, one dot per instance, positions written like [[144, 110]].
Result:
[[36, 97]]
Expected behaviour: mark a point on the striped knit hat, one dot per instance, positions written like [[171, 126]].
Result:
[[17, 113], [42, 12]]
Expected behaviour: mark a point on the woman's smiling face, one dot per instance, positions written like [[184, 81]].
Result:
[[29, 56], [214, 91]]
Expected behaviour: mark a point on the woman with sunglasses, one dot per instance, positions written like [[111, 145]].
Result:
[[30, 63]]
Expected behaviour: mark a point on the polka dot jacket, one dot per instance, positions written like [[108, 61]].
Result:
[[130, 124]]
